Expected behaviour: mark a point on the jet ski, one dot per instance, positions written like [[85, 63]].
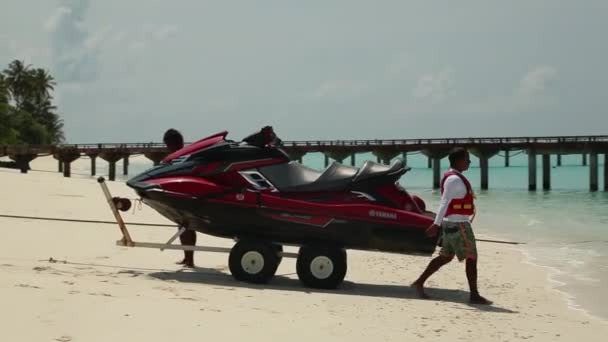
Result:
[[252, 192]]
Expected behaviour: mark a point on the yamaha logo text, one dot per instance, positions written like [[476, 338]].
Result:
[[383, 214]]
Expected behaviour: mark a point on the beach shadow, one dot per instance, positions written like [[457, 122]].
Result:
[[216, 277]]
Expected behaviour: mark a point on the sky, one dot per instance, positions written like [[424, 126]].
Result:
[[127, 70]]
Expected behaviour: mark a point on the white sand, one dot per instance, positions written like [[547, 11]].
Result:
[[108, 293]]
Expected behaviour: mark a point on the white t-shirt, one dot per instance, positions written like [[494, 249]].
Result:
[[453, 187]]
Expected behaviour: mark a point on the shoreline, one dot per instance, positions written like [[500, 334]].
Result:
[[554, 284]]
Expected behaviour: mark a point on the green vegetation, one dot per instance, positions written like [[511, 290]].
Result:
[[27, 113]]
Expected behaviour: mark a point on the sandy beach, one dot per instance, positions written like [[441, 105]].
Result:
[[93, 290]]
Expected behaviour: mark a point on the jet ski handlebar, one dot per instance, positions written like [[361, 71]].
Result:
[[264, 137]]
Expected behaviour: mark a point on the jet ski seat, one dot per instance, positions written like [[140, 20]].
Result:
[[374, 170], [295, 177]]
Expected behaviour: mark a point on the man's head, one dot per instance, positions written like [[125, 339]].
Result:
[[459, 159], [173, 139]]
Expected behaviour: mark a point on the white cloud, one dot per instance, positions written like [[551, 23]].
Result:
[[73, 53], [58, 15], [399, 65], [339, 89], [76, 53], [117, 38], [223, 104], [96, 39], [165, 31], [11, 49], [156, 32], [537, 80], [147, 35], [137, 46], [530, 94], [433, 86]]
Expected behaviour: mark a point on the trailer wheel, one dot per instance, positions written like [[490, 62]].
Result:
[[253, 261], [321, 267]]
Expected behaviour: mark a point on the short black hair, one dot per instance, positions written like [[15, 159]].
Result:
[[173, 137], [457, 154]]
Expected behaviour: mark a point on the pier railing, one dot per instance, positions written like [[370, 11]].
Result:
[[384, 149]]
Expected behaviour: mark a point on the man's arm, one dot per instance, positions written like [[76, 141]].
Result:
[[448, 195]]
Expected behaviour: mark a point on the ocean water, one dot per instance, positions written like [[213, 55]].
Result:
[[564, 230]]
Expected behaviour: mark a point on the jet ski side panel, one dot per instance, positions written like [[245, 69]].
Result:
[[254, 218]]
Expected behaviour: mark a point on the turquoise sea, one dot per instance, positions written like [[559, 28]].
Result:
[[564, 230]]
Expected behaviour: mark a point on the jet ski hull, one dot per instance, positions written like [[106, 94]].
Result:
[[381, 231]]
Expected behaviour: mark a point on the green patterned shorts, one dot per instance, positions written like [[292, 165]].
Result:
[[458, 239]]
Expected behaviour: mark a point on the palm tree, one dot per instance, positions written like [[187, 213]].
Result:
[[44, 113], [5, 95], [17, 80], [33, 117], [41, 84]]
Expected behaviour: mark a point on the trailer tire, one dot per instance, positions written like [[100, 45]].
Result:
[[322, 267], [253, 261]]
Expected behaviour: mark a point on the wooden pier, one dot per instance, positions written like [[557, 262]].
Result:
[[339, 150]]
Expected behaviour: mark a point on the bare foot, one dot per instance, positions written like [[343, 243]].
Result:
[[479, 300], [420, 290], [181, 262]]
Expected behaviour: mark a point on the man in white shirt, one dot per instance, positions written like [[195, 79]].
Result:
[[454, 218]]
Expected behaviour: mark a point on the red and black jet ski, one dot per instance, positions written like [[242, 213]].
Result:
[[252, 192]]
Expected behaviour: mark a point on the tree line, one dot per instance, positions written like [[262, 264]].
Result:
[[27, 113]]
